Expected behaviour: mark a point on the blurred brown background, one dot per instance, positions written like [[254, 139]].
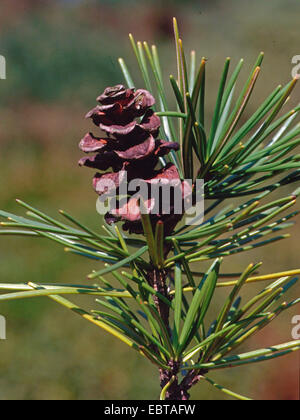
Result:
[[60, 55]]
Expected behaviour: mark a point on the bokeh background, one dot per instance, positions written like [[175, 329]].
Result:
[[60, 55]]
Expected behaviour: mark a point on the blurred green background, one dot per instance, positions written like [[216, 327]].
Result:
[[60, 56]]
